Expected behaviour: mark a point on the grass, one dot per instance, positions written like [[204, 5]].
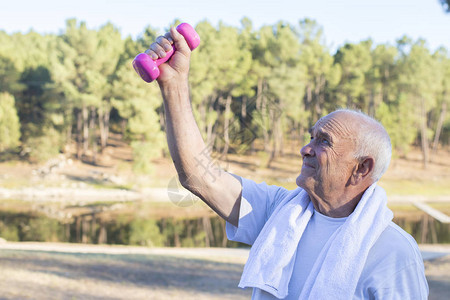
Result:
[[403, 207], [404, 177], [106, 185], [14, 183], [416, 187], [395, 187]]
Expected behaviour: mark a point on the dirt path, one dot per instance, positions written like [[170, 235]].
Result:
[[99, 272], [73, 271]]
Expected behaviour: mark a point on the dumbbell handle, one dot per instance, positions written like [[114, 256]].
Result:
[[148, 69]]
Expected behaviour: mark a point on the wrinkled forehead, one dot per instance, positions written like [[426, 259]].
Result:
[[338, 125]]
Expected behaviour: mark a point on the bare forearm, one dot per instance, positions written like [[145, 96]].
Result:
[[195, 168], [183, 136], [220, 190]]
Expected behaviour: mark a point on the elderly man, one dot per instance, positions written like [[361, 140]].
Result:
[[332, 237]]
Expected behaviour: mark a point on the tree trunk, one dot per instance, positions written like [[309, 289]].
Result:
[[176, 238], [317, 108], [320, 84], [189, 227], [102, 236], [78, 229], [204, 108], [209, 237], [103, 122], [224, 232], [308, 97], [69, 133], [439, 125], [350, 101], [101, 126], [423, 133], [301, 134], [93, 134], [384, 86], [277, 135], [259, 88], [123, 127], [280, 138], [371, 108], [261, 106], [85, 114], [264, 121], [244, 107], [216, 143], [423, 238], [434, 236], [79, 134], [209, 125], [277, 139], [93, 227], [106, 118], [226, 136], [85, 228], [294, 138], [67, 232]]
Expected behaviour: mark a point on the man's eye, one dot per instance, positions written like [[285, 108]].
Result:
[[325, 141]]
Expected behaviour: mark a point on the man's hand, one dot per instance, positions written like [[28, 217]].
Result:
[[175, 70]]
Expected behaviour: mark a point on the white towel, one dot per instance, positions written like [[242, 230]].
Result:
[[338, 267]]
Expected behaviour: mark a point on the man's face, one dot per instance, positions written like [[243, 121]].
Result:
[[328, 160]]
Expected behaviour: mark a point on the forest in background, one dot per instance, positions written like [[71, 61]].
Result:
[[251, 89]]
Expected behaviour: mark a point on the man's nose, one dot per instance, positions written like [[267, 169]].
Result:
[[307, 150]]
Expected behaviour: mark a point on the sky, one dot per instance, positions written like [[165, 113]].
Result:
[[343, 21]]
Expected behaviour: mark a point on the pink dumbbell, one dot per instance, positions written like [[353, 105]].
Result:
[[147, 68]]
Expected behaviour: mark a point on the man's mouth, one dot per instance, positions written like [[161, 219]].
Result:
[[308, 165]]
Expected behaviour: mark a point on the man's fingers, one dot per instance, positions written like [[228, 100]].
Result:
[[164, 43], [158, 49], [151, 53], [180, 42], [169, 37]]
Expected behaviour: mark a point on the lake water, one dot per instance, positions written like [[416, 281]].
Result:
[[152, 225]]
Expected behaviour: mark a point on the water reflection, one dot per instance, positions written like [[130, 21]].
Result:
[[148, 225]]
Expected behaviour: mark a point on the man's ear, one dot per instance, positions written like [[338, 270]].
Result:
[[363, 170]]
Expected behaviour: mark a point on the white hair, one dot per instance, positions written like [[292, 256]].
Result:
[[372, 140]]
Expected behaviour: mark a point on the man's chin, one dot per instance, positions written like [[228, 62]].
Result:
[[300, 181], [305, 182]]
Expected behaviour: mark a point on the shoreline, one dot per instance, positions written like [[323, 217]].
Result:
[[155, 194], [429, 251]]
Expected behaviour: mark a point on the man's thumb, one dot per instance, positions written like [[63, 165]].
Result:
[[179, 42]]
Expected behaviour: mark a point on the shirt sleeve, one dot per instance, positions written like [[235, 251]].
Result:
[[394, 268], [258, 201], [407, 284]]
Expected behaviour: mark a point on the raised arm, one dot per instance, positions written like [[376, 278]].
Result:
[[218, 189]]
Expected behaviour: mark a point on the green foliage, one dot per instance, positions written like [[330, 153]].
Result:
[[42, 229], [143, 153], [145, 232], [9, 76], [9, 123], [355, 61], [9, 233], [76, 86], [138, 107], [198, 240], [395, 118], [42, 148]]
